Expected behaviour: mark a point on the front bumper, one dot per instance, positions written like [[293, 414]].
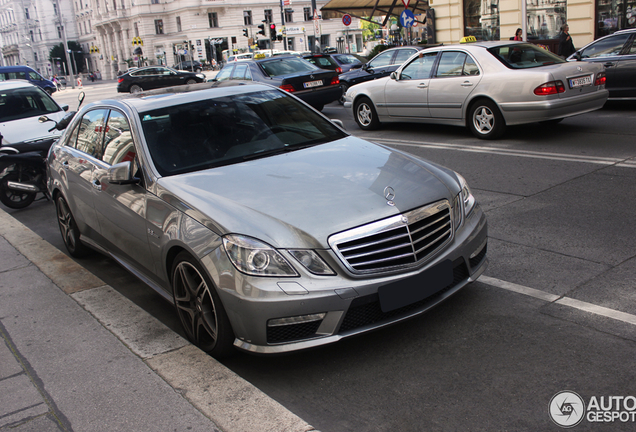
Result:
[[276, 315], [529, 112]]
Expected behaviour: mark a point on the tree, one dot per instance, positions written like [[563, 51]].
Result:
[[57, 52], [369, 30]]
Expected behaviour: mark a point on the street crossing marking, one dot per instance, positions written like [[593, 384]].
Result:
[[565, 301], [619, 162]]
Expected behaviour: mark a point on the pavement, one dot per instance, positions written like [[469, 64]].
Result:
[[75, 355]]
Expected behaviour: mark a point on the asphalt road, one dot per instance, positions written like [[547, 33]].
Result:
[[555, 310]]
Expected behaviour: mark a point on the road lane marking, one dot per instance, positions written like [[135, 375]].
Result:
[[565, 301], [621, 162]]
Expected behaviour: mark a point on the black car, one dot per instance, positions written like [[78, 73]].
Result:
[[313, 85], [379, 66], [617, 52], [349, 61], [323, 61], [192, 66], [152, 77]]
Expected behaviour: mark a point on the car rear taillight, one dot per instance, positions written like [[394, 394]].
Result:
[[288, 87], [600, 79], [550, 88], [120, 80], [339, 69], [334, 81]]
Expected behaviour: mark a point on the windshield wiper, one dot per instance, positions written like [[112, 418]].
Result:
[[276, 151]]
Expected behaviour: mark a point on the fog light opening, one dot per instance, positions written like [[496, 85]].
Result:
[[295, 320]]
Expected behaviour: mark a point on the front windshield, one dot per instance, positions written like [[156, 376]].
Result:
[[231, 129], [524, 56], [286, 66], [23, 103]]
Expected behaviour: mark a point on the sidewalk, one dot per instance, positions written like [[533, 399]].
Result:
[[77, 356]]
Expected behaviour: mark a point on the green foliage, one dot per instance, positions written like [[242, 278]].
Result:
[[58, 52], [369, 29], [377, 50]]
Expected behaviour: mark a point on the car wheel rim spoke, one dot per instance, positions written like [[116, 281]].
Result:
[[194, 304], [484, 120], [64, 217]]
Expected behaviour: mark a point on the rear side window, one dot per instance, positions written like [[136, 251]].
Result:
[[12, 75], [524, 56], [225, 73], [241, 72], [451, 64], [118, 142]]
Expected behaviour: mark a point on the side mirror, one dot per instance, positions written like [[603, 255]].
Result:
[[121, 174], [43, 119], [394, 76], [339, 123], [577, 56], [365, 66], [65, 107]]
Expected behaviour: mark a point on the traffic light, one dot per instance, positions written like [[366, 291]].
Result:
[[262, 29], [245, 33], [272, 31]]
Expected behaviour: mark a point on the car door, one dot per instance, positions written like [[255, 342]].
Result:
[[624, 85], [607, 51], [407, 96], [455, 77], [77, 160]]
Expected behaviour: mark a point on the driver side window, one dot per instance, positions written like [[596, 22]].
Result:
[[420, 68], [383, 59], [607, 47]]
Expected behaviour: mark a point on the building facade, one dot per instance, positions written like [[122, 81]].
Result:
[[29, 29]]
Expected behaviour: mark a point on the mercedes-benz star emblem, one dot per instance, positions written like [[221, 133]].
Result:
[[389, 194]]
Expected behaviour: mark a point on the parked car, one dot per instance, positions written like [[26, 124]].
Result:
[[240, 57], [28, 74], [315, 86], [192, 66], [21, 104], [484, 86], [152, 77], [269, 227], [617, 54], [349, 61], [379, 66], [323, 61]]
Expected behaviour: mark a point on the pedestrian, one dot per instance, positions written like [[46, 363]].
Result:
[[566, 46], [518, 35]]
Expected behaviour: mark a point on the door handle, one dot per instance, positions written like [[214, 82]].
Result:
[[609, 64], [466, 84], [65, 164], [96, 185], [422, 85]]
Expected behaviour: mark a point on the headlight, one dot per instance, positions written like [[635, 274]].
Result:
[[255, 258], [312, 262], [201, 76], [464, 200]]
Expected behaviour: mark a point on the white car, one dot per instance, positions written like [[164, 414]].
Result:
[[21, 104], [484, 86]]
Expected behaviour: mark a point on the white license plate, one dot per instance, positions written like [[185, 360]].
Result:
[[581, 81], [311, 84]]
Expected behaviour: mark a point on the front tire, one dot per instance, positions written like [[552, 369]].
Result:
[[199, 307], [485, 120], [69, 230], [191, 81], [365, 114], [135, 89], [344, 88]]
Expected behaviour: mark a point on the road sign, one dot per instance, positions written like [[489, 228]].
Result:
[[406, 3], [346, 19], [407, 18]]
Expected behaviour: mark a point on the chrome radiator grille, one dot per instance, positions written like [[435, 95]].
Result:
[[399, 241]]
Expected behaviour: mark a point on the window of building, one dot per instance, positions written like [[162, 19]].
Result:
[[31, 36], [268, 16], [178, 23], [26, 13], [290, 44], [289, 15], [614, 15], [114, 4], [307, 14], [158, 26], [481, 19], [136, 28], [247, 17], [545, 18], [35, 56], [54, 9], [213, 19], [59, 32], [154, 1]]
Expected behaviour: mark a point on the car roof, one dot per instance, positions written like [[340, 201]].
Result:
[[629, 30], [171, 96], [17, 83]]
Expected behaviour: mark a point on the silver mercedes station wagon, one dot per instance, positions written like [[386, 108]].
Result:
[[269, 227]]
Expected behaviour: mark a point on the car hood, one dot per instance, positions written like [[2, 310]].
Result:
[[299, 199], [28, 129]]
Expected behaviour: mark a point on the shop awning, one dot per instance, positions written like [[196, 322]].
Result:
[[369, 8]]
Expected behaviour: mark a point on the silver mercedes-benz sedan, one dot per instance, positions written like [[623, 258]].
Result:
[[484, 86], [269, 227]]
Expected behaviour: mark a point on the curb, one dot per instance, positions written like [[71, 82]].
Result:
[[231, 402]]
